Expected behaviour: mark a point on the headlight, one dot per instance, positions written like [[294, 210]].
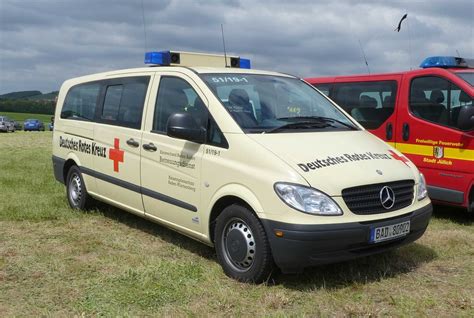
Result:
[[307, 199], [422, 191]]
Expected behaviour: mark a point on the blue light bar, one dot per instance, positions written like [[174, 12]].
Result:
[[244, 63], [446, 62], [158, 58]]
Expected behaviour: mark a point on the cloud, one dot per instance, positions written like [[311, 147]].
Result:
[[45, 42]]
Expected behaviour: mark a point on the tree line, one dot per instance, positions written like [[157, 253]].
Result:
[[27, 106]]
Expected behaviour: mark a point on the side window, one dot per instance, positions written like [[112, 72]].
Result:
[[175, 95], [324, 88], [113, 95], [81, 102], [370, 103], [123, 103], [437, 100]]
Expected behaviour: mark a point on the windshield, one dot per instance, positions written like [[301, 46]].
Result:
[[468, 77], [264, 103]]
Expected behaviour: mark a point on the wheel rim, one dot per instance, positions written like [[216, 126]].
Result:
[[75, 189], [239, 246]]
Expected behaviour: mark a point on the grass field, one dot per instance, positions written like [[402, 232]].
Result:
[[20, 117], [106, 262]]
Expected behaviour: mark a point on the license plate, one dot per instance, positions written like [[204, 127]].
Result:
[[388, 232]]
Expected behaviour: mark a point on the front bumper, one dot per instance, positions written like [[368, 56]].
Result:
[[308, 245]]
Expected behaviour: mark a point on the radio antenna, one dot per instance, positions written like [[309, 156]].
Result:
[[363, 54], [144, 26], [223, 43], [459, 55]]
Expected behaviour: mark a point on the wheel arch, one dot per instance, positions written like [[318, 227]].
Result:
[[72, 160], [232, 194]]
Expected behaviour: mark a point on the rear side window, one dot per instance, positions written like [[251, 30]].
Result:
[[123, 103], [437, 100], [81, 102], [370, 103]]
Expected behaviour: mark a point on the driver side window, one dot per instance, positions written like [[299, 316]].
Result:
[[175, 95], [437, 100]]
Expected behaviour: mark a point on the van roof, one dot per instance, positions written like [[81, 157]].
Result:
[[420, 71], [153, 69]]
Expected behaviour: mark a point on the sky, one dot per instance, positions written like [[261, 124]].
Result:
[[44, 42]]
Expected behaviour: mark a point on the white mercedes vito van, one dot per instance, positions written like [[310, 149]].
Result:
[[259, 164]]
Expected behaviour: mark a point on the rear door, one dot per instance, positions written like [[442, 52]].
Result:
[[372, 103], [117, 141], [428, 133]]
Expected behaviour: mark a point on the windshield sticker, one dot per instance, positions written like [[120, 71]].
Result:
[[345, 158], [229, 79]]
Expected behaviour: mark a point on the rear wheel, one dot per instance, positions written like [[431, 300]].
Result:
[[242, 246], [76, 190]]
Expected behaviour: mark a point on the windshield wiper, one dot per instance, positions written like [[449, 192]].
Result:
[[320, 119], [300, 125]]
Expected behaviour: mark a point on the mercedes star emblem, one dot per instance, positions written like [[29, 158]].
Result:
[[387, 197]]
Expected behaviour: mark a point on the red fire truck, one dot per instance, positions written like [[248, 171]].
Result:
[[428, 114]]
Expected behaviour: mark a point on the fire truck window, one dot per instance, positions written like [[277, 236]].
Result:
[[437, 100], [324, 88], [370, 103]]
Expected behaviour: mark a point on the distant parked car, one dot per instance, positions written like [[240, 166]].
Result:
[[16, 124], [33, 125], [6, 124], [51, 124]]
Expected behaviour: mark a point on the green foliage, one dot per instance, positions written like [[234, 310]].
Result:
[[27, 106], [20, 95], [49, 96]]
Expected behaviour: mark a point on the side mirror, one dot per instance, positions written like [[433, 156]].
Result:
[[466, 118], [183, 126]]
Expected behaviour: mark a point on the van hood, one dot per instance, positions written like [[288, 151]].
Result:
[[333, 161]]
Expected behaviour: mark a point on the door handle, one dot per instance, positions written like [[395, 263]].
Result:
[[149, 147], [389, 131], [132, 143], [406, 132]]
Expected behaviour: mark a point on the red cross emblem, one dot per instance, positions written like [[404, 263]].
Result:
[[397, 157], [116, 154]]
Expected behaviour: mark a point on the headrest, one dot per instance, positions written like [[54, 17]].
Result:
[[177, 99], [437, 97], [463, 97], [367, 101], [418, 96], [239, 96]]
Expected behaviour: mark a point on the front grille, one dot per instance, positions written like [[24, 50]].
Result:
[[366, 199]]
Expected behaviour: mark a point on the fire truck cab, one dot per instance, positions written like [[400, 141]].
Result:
[[427, 114]]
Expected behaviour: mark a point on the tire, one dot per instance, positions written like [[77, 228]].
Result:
[[76, 191], [242, 246]]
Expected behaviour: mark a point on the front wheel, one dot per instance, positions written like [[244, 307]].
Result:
[[76, 190], [242, 246]]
